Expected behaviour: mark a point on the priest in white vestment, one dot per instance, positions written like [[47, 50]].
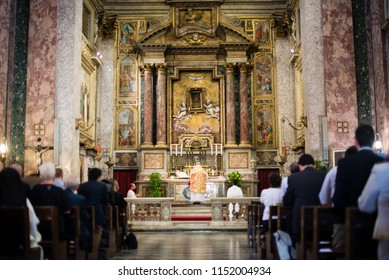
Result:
[[198, 183]]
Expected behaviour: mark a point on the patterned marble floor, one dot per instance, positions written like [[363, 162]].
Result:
[[190, 245]]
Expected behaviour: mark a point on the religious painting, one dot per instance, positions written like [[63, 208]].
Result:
[[127, 34], [128, 78], [125, 159], [248, 26], [265, 127], [263, 75], [153, 161], [195, 106], [262, 32], [142, 27], [126, 136], [195, 20]]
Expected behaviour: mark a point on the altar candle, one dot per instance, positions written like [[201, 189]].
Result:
[[216, 149], [176, 150], [181, 149], [171, 148], [211, 149]]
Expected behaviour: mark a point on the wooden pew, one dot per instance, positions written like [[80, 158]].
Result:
[[111, 250], [250, 216], [118, 223], [73, 220], [359, 228], [54, 247], [15, 235], [283, 223], [95, 234], [260, 242], [306, 232], [324, 219], [270, 234]]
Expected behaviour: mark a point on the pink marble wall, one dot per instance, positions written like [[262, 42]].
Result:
[[4, 59], [230, 116], [161, 105], [41, 73], [244, 108], [339, 71], [378, 75]]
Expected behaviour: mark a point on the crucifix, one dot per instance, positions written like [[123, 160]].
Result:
[[38, 150]]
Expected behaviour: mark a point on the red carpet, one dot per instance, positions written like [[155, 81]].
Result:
[[191, 218]]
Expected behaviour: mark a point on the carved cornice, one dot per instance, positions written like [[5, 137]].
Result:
[[107, 25], [282, 25]]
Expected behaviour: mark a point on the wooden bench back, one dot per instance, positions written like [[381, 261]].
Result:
[[359, 228], [53, 246], [15, 235]]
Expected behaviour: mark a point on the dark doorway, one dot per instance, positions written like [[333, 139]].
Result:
[[263, 175], [124, 179]]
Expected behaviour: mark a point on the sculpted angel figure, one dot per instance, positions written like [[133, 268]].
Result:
[[183, 113], [212, 110]]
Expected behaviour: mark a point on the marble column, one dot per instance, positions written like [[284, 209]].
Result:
[[286, 100], [107, 126], [68, 84], [148, 106], [339, 65], [230, 105], [312, 74], [244, 106], [380, 106], [41, 78], [161, 105]]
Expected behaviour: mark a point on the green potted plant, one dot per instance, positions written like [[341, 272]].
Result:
[[320, 165], [234, 178], [155, 189]]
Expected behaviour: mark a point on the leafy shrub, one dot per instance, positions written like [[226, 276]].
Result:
[[155, 189], [234, 178]]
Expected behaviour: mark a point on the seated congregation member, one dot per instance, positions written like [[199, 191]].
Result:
[[58, 180], [328, 187], [19, 169], [351, 177], [303, 190], [375, 197], [47, 194], [71, 186], [269, 197], [294, 168], [13, 194], [96, 194]]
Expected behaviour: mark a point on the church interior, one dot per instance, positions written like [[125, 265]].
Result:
[[138, 87]]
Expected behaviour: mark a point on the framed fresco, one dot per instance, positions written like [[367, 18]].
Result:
[[154, 161], [200, 20], [127, 78], [337, 154], [263, 75], [127, 34], [126, 128], [262, 34], [264, 119]]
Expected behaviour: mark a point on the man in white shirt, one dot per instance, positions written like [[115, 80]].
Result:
[[131, 191], [269, 197]]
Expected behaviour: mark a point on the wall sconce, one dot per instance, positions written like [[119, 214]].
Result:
[[301, 124], [81, 125], [3, 151], [377, 143], [97, 59]]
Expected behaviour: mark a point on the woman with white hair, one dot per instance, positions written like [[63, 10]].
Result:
[[47, 194]]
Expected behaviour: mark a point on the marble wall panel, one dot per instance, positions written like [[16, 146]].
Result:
[[5, 20], [339, 62], [68, 84], [40, 95]]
